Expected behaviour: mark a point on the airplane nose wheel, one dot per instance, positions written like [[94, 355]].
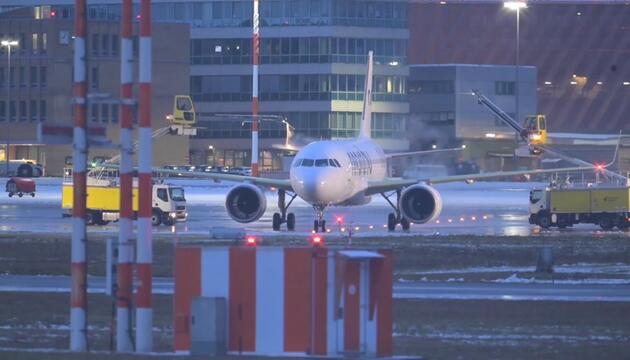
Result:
[[320, 223]]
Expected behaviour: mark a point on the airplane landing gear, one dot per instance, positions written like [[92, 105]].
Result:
[[319, 223], [396, 218], [282, 217]]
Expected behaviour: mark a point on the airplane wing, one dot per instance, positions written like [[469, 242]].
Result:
[[283, 184], [391, 184], [421, 152]]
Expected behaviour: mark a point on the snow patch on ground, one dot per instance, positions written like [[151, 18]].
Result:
[[514, 279], [579, 268]]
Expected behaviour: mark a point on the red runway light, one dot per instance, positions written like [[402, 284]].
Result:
[[250, 241], [339, 219], [317, 240]]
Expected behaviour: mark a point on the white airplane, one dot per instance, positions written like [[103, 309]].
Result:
[[345, 173]]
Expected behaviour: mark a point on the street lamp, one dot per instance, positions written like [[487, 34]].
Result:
[[516, 6], [8, 44]]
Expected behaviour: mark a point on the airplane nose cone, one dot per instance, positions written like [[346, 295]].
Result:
[[317, 187]]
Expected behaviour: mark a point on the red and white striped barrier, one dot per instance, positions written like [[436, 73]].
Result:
[[78, 306], [124, 299], [290, 301], [255, 63], [144, 310]]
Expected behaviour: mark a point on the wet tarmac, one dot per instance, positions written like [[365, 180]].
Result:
[[486, 208]]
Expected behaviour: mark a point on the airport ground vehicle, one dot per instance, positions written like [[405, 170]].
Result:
[[22, 168], [20, 187], [103, 202], [561, 207]]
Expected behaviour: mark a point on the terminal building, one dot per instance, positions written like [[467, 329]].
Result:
[[40, 84], [312, 73], [313, 56]]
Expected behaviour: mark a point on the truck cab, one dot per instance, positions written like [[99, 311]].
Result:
[[169, 204], [537, 205]]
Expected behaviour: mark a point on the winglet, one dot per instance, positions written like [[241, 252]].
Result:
[[366, 117]]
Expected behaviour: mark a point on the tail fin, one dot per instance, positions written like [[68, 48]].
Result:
[[366, 117]]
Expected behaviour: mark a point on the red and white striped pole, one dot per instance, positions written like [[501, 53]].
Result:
[[78, 297], [255, 63], [144, 312], [125, 224]]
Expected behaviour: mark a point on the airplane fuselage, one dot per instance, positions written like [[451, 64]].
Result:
[[337, 172]]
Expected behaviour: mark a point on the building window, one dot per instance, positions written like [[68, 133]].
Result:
[[115, 113], [115, 45], [12, 77], [44, 42], [94, 112], [3, 111], [23, 114], [22, 43], [12, 111], [43, 77], [105, 44], [2, 77], [104, 113], [35, 42], [95, 39], [42, 110], [33, 110], [94, 80], [504, 88], [22, 76], [33, 76], [425, 87]]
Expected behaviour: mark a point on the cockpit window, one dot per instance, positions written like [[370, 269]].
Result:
[[307, 162], [297, 163], [331, 162], [321, 162], [337, 162]]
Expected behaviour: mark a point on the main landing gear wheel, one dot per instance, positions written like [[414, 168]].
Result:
[[282, 217], [396, 217], [291, 222], [319, 225], [276, 221], [391, 222], [405, 224]]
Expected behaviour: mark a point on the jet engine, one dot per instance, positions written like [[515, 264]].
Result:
[[245, 203], [420, 203]]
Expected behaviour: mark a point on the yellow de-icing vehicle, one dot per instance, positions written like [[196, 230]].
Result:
[[183, 111], [536, 129], [103, 202], [561, 207]]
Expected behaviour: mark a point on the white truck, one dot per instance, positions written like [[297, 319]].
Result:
[[103, 202]]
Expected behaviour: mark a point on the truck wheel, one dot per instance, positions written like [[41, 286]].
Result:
[[605, 222], [544, 221], [166, 220], [156, 218]]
